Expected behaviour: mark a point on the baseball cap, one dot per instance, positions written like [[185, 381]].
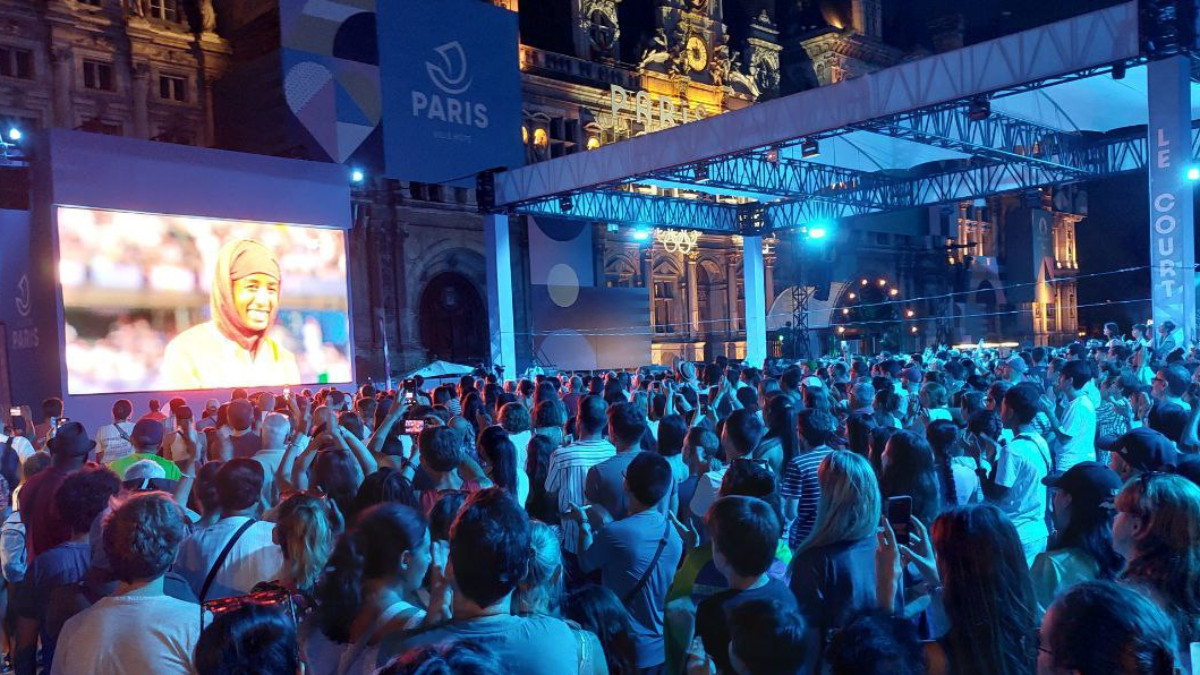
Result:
[[147, 432], [812, 382], [1145, 449], [1089, 482], [1017, 363]]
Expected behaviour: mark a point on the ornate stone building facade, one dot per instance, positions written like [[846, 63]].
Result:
[[140, 68]]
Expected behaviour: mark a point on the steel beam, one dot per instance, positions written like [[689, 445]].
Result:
[[625, 207]]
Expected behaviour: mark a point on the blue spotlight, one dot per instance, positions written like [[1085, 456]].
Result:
[[357, 176], [641, 234], [14, 134], [1193, 173]]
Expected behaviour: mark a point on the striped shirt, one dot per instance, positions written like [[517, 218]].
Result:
[[566, 475], [800, 482]]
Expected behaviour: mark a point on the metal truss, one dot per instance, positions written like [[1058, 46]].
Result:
[[625, 207], [858, 191], [998, 137]]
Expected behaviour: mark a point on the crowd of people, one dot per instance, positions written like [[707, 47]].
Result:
[[962, 513]]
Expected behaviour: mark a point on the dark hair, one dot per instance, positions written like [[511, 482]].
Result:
[[780, 416], [672, 430], [752, 478], [443, 513], [598, 610], [541, 504], [592, 415], [880, 435], [986, 423], [250, 639], [1079, 372], [490, 546], [1103, 628], [370, 550], [549, 413], [911, 472], [440, 448], [816, 427], [649, 478], [387, 485], [141, 536], [876, 643], [987, 592], [351, 422], [52, 407], [1169, 419], [942, 436], [122, 409], [1022, 399], [499, 451], [84, 495], [460, 657], [205, 488], [768, 638], [1177, 379], [626, 422], [858, 433], [337, 474], [239, 484], [744, 430], [746, 531]]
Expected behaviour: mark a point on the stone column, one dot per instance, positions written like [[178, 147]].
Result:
[[693, 295], [140, 84], [64, 83]]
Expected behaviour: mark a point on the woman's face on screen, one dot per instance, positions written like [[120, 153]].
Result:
[[256, 297]]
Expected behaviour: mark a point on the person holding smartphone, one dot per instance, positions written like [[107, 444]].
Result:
[[13, 435]]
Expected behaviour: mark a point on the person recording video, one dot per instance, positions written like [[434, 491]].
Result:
[[233, 348]]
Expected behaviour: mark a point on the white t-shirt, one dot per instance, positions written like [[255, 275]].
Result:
[[21, 446], [1078, 422], [707, 489], [112, 443], [254, 558], [130, 634], [1020, 466]]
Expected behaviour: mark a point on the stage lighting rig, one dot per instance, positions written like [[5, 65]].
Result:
[[810, 148]]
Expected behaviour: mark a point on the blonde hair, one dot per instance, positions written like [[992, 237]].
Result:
[[307, 529], [540, 592], [850, 501]]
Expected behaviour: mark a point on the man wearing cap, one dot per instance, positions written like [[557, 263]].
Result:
[[44, 529], [1140, 451], [233, 348], [1081, 548], [208, 419], [147, 436]]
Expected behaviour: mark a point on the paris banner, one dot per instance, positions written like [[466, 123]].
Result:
[[451, 84]]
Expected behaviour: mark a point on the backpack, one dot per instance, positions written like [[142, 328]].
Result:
[[10, 463]]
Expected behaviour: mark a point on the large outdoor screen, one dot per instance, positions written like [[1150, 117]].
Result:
[[176, 303]]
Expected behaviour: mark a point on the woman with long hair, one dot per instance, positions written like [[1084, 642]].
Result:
[[598, 610], [908, 470], [1102, 628], [474, 411], [541, 592], [974, 561], [1081, 548], [383, 486], [369, 590], [880, 436], [782, 440], [541, 504], [498, 456], [955, 472], [833, 570], [1157, 531], [306, 529]]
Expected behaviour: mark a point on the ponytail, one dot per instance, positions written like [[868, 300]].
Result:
[[949, 489], [372, 550], [307, 530]]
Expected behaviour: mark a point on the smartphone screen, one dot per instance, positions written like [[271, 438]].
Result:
[[899, 515], [414, 426], [14, 412]]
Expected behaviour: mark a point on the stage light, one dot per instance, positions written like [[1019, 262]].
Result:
[[913, 329], [894, 292], [1118, 71], [772, 156], [1193, 173], [853, 296], [979, 109], [845, 311], [910, 313], [841, 329], [357, 176], [565, 203], [810, 148], [702, 173], [817, 233], [883, 282], [14, 134], [863, 282], [641, 234]]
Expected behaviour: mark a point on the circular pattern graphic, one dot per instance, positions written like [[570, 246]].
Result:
[[563, 285]]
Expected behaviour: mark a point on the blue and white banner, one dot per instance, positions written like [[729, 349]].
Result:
[[451, 89], [1172, 228]]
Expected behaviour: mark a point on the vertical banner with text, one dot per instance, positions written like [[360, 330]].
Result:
[[451, 89], [1172, 227]]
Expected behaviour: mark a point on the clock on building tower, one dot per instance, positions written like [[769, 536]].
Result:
[[696, 50]]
